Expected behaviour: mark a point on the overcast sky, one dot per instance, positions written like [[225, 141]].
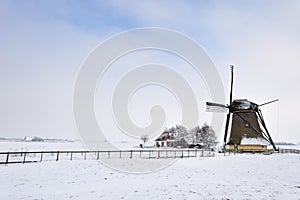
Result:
[[43, 43]]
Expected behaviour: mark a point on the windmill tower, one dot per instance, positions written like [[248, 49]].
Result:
[[248, 128]]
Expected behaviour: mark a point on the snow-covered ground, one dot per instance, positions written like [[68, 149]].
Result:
[[39, 146], [246, 176]]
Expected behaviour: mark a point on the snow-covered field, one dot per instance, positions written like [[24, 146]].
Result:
[[246, 176], [39, 146]]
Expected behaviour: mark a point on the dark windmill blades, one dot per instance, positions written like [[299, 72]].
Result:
[[226, 128], [262, 121], [268, 102], [215, 107], [231, 85], [230, 108]]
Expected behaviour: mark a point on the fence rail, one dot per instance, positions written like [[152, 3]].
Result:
[[296, 151], [39, 156]]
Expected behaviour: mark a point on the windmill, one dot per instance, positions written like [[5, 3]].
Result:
[[247, 124]]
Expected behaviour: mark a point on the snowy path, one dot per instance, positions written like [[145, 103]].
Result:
[[230, 177]]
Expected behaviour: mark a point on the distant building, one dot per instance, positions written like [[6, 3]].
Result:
[[37, 139], [34, 139], [167, 139], [27, 139]]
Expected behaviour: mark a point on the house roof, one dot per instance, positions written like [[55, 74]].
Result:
[[166, 135]]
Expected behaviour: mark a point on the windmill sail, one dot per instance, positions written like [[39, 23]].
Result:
[[215, 107]]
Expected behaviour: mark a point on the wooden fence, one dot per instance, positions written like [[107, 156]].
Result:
[[39, 156], [296, 151], [282, 151]]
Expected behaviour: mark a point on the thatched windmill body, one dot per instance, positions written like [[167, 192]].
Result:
[[248, 129]]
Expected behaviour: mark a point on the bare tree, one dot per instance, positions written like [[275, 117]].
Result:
[[208, 136], [145, 139], [205, 135], [181, 131], [195, 134]]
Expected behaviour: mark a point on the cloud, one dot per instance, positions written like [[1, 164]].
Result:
[[260, 37], [43, 44], [39, 62]]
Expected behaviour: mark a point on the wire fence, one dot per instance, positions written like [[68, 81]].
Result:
[[39, 156]]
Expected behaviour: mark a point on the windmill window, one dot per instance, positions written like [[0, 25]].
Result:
[[247, 125]]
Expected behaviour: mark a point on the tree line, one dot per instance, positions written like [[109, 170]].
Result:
[[204, 135]]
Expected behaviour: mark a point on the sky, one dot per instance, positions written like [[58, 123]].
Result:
[[44, 43]]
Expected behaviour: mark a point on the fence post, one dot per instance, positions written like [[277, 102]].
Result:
[[57, 156], [175, 154], [149, 154], [97, 155], [41, 157], [84, 155], [140, 153], [120, 154], [196, 152], [166, 153], [108, 152], [181, 153], [130, 154], [158, 154], [24, 157], [7, 158], [71, 158], [188, 153]]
